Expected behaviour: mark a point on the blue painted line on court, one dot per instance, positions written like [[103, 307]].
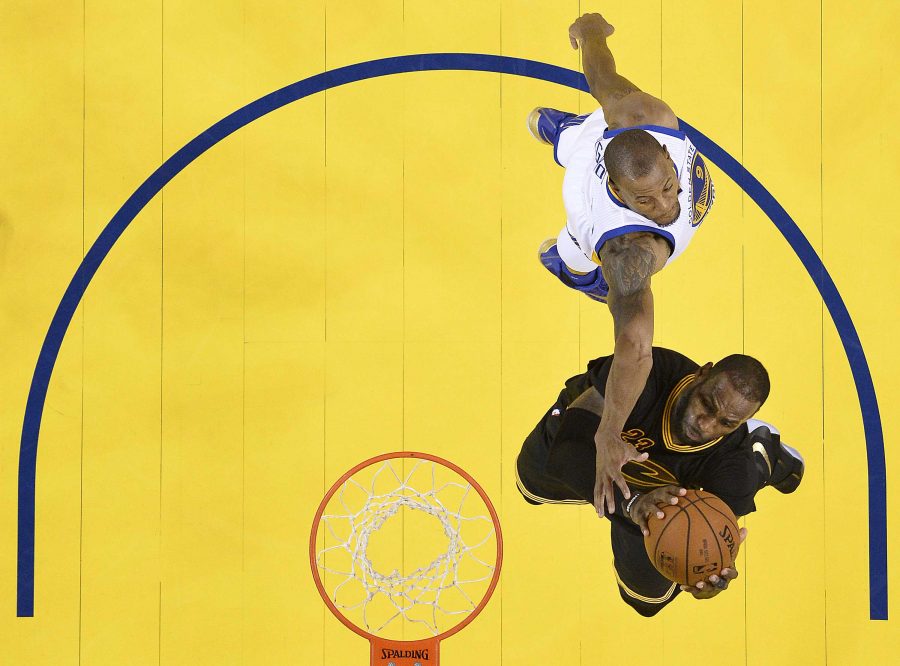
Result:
[[878, 588], [862, 377]]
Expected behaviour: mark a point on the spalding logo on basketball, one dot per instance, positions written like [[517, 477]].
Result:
[[702, 191], [697, 538]]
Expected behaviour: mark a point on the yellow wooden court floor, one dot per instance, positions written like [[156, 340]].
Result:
[[355, 273]]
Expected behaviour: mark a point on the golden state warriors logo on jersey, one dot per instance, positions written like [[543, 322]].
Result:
[[702, 191]]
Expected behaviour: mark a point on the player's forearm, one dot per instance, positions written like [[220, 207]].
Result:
[[599, 66], [631, 365], [633, 353]]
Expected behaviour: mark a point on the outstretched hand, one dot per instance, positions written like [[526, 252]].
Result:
[[716, 583], [612, 454], [587, 25]]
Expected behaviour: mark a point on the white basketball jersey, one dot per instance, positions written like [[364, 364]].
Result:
[[595, 214]]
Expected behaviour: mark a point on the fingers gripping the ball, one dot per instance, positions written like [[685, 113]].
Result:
[[696, 543], [650, 505], [711, 586]]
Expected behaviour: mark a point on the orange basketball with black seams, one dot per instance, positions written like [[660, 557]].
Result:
[[698, 537]]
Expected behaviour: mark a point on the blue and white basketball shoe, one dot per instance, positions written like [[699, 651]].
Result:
[[545, 124], [591, 284]]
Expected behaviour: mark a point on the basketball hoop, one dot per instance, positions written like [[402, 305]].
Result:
[[435, 600]]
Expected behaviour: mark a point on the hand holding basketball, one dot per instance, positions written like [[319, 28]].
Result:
[[714, 584], [694, 544], [649, 504]]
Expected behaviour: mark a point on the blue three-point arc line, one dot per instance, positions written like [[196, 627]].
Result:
[[878, 589]]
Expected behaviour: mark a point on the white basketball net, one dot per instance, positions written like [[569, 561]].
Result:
[[425, 586]]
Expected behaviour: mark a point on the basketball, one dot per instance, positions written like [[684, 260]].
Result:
[[698, 537]]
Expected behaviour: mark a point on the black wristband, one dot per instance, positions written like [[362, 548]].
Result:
[[626, 506]]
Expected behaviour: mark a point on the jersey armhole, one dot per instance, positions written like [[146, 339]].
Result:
[[678, 134], [631, 229]]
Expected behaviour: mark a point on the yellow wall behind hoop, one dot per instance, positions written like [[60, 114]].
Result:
[[355, 273]]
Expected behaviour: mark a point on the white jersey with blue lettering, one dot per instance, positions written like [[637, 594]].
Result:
[[594, 214]]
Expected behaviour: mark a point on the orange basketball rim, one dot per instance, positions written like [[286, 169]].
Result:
[[436, 594]]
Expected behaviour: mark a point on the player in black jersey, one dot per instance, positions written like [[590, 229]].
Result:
[[693, 428]]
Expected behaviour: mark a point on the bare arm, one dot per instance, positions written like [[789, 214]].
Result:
[[628, 263], [624, 104], [627, 266]]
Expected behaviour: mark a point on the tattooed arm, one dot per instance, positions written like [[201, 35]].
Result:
[[628, 262], [624, 104]]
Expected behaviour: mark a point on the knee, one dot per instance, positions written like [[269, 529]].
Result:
[[647, 608], [529, 500], [642, 608]]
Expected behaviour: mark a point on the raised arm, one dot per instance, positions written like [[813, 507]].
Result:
[[624, 104], [628, 262]]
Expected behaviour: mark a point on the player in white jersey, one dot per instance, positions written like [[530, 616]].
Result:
[[595, 209], [635, 191]]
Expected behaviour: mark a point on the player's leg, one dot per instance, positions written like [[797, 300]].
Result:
[[531, 479], [562, 257], [641, 586], [760, 460], [777, 464], [548, 126], [566, 132]]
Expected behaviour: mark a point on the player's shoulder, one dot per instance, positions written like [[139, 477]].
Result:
[[670, 366], [729, 472], [633, 240], [630, 238], [641, 108], [733, 441], [675, 139], [673, 357]]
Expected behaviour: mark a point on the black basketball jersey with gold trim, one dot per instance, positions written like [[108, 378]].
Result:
[[723, 466]]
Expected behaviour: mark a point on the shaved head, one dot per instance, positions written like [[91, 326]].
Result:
[[721, 398], [747, 375], [642, 175], [632, 154]]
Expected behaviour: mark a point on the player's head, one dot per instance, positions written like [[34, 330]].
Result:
[[720, 399], [643, 175]]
